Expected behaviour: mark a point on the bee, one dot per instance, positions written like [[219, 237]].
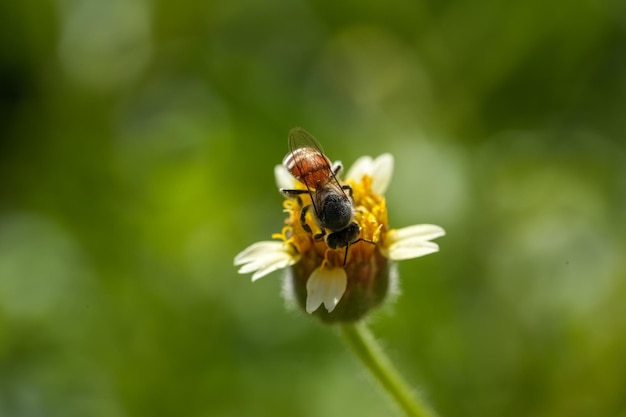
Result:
[[332, 202]]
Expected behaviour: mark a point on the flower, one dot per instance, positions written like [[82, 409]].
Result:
[[351, 280], [265, 257]]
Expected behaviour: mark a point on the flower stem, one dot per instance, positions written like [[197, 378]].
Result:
[[365, 346]]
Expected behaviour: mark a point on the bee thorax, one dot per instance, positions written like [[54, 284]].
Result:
[[335, 211]]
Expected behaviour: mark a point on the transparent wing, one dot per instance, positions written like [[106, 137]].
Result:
[[300, 138]]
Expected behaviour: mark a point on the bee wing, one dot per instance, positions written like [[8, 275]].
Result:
[[300, 138], [337, 185], [306, 160]]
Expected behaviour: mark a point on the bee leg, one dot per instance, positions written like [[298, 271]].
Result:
[[292, 193], [303, 222], [306, 227], [337, 167], [320, 236], [348, 188]]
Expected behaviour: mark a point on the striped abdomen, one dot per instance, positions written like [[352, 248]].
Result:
[[309, 166]]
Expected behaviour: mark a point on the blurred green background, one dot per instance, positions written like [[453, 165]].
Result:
[[138, 140]]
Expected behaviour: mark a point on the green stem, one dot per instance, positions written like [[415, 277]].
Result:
[[365, 346]]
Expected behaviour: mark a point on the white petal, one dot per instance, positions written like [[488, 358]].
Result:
[[258, 248], [283, 178], [271, 267], [362, 166], [325, 286], [408, 250], [382, 171], [265, 257], [412, 242], [423, 231]]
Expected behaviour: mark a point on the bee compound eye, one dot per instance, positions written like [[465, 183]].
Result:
[[353, 231], [343, 237]]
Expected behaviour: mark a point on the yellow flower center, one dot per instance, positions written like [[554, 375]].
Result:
[[371, 216]]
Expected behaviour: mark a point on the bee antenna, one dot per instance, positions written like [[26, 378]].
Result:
[[345, 256]]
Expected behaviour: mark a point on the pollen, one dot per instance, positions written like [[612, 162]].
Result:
[[370, 215]]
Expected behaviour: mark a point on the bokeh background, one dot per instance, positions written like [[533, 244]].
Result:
[[138, 139]]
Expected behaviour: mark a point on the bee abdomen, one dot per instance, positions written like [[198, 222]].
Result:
[[308, 166]]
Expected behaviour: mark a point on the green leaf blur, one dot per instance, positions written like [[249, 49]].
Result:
[[137, 146]]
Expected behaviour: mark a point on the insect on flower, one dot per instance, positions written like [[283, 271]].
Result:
[[332, 202], [324, 216]]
